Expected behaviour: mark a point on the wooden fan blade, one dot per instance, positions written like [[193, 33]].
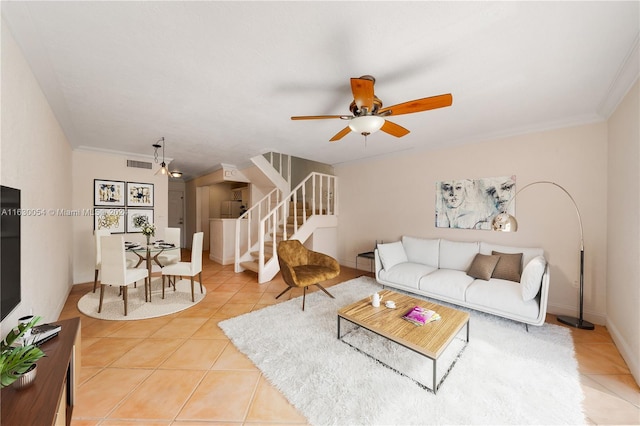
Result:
[[362, 93], [394, 129], [315, 117], [418, 105], [342, 133]]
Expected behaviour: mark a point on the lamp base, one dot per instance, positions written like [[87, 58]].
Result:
[[575, 322]]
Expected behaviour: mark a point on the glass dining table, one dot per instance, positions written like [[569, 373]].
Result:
[[149, 253]]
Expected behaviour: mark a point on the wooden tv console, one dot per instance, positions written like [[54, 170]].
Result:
[[49, 400]]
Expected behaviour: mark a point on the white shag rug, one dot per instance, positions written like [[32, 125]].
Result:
[[137, 308], [505, 375]]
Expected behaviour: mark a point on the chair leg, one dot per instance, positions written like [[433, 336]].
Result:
[[124, 292], [101, 297], [304, 296], [284, 291], [200, 276], [163, 286], [193, 298], [325, 290], [95, 281], [145, 289]]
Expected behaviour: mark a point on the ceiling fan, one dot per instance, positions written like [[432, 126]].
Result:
[[369, 115]]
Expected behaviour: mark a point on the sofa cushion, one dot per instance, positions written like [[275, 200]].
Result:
[[532, 277], [509, 266], [448, 283], [391, 254], [457, 255], [406, 274], [422, 250], [501, 297], [482, 266], [528, 253]]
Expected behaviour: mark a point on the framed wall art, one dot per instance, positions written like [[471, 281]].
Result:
[[139, 194], [473, 203], [110, 219], [108, 193], [132, 214]]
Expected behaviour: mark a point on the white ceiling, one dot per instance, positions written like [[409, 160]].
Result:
[[220, 80]]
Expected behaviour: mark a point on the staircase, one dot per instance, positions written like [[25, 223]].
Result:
[[312, 204]]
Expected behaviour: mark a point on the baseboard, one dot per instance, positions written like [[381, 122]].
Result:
[[625, 351], [594, 317]]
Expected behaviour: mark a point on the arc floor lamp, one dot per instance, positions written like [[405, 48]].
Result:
[[506, 223]]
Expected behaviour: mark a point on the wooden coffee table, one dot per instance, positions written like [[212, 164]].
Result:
[[429, 340]]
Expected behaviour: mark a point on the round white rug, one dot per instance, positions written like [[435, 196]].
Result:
[[137, 308]]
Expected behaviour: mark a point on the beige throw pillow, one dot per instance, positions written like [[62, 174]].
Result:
[[482, 266], [509, 266]]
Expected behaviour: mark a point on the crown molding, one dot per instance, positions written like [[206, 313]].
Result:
[[625, 78]]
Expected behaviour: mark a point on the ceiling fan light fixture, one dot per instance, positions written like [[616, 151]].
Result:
[[176, 174], [366, 124]]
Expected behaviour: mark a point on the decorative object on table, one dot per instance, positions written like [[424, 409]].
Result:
[[472, 203], [18, 357], [369, 393], [147, 229], [163, 166], [108, 193], [421, 316], [506, 222], [137, 217], [375, 300], [140, 194], [112, 220]]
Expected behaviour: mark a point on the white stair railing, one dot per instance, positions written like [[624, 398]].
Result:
[[251, 220], [319, 191]]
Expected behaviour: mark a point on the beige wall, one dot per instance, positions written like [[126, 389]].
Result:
[[87, 166], [36, 158], [395, 196], [623, 199]]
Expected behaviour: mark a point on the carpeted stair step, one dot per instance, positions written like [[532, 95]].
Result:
[[251, 265]]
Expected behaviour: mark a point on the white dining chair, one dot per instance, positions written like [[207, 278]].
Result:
[[187, 269], [114, 270], [171, 236], [98, 233]]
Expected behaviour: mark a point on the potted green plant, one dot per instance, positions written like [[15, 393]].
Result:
[[16, 360]]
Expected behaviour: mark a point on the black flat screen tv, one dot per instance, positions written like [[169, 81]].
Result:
[[10, 214]]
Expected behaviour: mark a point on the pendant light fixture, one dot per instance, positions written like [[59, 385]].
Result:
[[163, 166]]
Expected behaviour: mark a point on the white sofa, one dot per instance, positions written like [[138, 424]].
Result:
[[453, 272]]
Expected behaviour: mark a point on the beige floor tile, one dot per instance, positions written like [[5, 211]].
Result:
[[160, 397], [142, 329], [106, 350], [269, 405], [182, 328], [134, 423], [232, 392], [149, 353], [605, 408], [600, 358], [623, 386], [99, 395], [210, 330], [195, 354], [231, 310], [232, 359]]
